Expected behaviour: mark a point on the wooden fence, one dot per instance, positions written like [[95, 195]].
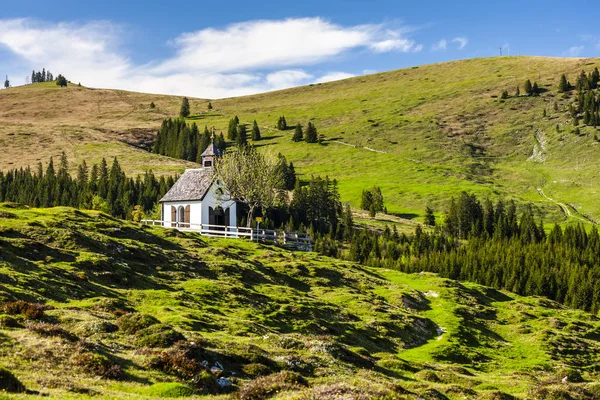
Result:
[[296, 240]]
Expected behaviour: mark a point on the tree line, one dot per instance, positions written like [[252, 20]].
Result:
[[41, 76], [98, 188], [587, 107], [490, 244], [177, 139]]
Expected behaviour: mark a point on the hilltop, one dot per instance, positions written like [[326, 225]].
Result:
[[423, 134], [92, 306]]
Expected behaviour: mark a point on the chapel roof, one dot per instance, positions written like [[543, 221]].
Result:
[[192, 185]]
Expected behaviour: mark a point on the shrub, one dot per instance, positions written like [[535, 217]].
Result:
[[29, 310], [7, 321], [51, 330], [97, 365], [9, 383], [254, 370], [158, 336], [179, 361], [206, 382], [267, 386], [134, 322], [571, 375]]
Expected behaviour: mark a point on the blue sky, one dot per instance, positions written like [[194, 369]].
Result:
[[228, 48]]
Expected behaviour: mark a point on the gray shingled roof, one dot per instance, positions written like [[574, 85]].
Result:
[[211, 150], [192, 185]]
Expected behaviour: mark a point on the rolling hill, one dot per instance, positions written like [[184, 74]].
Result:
[[95, 307], [422, 134]]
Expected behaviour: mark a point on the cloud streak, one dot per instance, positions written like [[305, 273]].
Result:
[[462, 42], [242, 58]]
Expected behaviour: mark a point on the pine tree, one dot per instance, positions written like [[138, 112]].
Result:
[[504, 95], [184, 112], [311, 134], [535, 89], [255, 132], [429, 216], [6, 83], [233, 128], [282, 124], [241, 137], [528, 87], [60, 80], [563, 86], [152, 105], [210, 107], [298, 135]]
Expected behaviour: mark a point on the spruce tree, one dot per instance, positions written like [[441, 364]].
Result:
[[241, 137], [429, 216], [298, 135], [528, 87], [6, 83], [563, 86], [311, 134], [210, 107], [233, 128], [535, 89], [504, 95], [255, 132], [184, 112]]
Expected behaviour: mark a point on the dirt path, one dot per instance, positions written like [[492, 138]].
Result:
[[566, 209]]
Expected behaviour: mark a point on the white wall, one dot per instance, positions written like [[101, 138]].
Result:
[[210, 200], [195, 211], [199, 209]]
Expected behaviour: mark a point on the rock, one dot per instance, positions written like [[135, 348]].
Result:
[[224, 382]]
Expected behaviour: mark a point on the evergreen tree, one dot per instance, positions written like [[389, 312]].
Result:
[[152, 105], [233, 128], [61, 81], [282, 124], [184, 112], [563, 86], [241, 138], [528, 87], [255, 132], [298, 135], [504, 95], [311, 134], [429, 216], [210, 107], [535, 89], [6, 83], [517, 92]]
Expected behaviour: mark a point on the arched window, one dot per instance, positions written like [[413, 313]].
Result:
[[180, 216]]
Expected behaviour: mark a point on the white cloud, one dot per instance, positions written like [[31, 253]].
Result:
[[440, 46], [334, 76], [574, 51], [462, 42], [243, 58], [368, 71]]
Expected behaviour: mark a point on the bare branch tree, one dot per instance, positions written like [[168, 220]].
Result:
[[250, 177]]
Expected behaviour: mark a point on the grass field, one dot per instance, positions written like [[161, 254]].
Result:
[[118, 298], [422, 134]]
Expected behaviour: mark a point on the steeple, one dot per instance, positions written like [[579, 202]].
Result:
[[210, 154]]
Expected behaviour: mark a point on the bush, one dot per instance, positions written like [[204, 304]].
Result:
[[181, 361], [97, 365], [158, 336], [267, 386], [51, 330], [255, 370], [29, 310], [7, 321], [206, 382], [571, 374], [134, 322], [9, 383]]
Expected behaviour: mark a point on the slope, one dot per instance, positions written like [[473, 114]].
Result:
[[422, 134], [96, 307]]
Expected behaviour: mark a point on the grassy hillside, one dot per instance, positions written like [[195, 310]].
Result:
[[95, 307], [422, 134]]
